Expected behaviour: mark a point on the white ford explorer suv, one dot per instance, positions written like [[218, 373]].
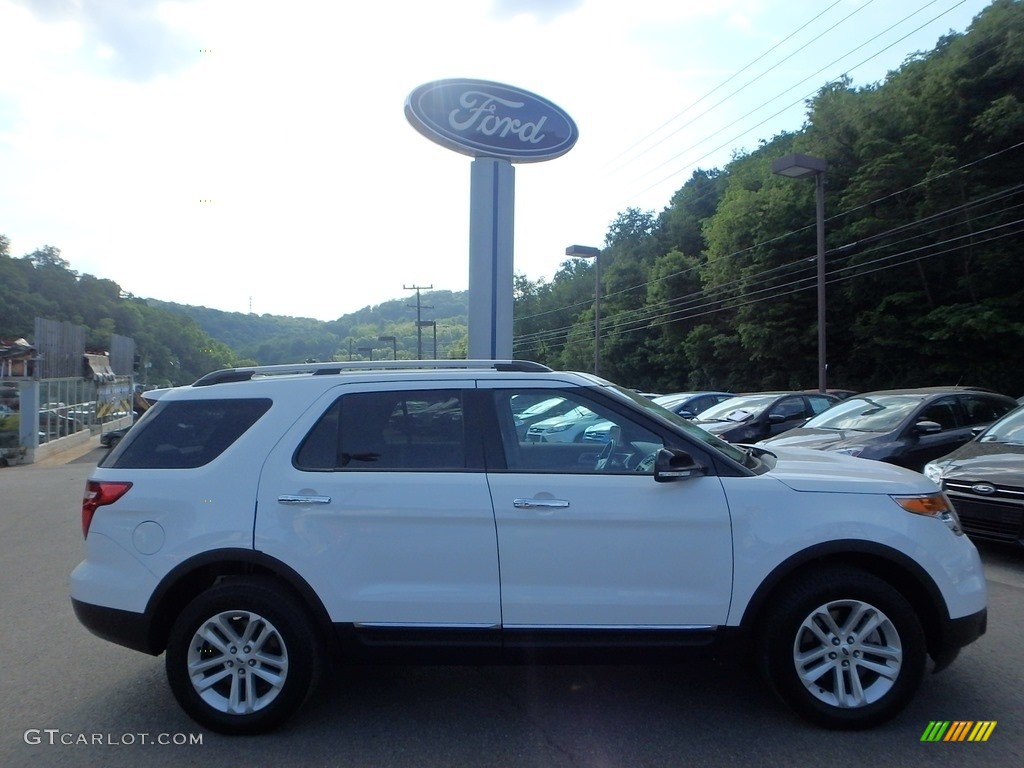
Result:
[[260, 520]]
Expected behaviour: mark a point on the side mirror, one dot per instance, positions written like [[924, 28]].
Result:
[[927, 427], [671, 464]]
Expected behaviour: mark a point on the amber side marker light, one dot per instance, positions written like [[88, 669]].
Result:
[[932, 505], [99, 493]]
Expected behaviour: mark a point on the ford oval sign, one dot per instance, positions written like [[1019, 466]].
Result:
[[485, 119]]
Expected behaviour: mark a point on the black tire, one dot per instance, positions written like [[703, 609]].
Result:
[[245, 688], [863, 663]]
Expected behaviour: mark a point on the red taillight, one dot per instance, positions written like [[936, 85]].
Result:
[[98, 493]]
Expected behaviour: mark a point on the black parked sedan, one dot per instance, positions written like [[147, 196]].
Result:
[[113, 437], [985, 480], [758, 415], [908, 427]]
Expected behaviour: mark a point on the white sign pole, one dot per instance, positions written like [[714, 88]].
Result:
[[491, 216]]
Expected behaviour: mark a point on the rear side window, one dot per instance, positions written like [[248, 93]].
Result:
[[820, 404], [185, 434], [422, 429], [983, 410]]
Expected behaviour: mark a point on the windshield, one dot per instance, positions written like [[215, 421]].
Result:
[[542, 406], [696, 433], [874, 413], [668, 400], [1009, 429], [739, 408], [574, 414]]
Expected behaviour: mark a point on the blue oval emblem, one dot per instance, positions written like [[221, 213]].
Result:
[[485, 119], [984, 488]]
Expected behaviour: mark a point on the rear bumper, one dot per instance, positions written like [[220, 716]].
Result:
[[116, 626]]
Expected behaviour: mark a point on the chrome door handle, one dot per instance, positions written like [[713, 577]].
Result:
[[303, 499], [535, 503]]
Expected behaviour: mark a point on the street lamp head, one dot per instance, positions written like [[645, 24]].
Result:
[[583, 251], [798, 166]]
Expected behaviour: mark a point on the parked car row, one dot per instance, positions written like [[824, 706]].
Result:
[[908, 427], [967, 440]]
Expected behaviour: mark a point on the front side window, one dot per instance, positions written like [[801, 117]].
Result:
[[789, 408], [407, 430], [583, 436], [942, 412]]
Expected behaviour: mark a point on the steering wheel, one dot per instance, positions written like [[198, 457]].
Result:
[[604, 459]]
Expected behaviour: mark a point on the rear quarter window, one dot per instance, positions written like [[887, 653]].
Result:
[[185, 434]]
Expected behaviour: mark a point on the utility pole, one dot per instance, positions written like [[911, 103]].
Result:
[[419, 308]]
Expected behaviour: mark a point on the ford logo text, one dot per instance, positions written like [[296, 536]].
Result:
[[485, 119]]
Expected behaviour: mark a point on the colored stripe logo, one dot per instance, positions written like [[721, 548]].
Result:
[[959, 730]]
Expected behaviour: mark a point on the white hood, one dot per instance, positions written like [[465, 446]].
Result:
[[804, 469]]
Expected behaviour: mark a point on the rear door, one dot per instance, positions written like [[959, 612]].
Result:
[[378, 499]]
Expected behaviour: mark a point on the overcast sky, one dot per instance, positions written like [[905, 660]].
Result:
[[253, 155]]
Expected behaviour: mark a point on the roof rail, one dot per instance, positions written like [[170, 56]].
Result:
[[322, 369]]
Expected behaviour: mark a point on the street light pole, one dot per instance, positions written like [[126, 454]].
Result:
[[797, 167], [429, 324], [589, 252]]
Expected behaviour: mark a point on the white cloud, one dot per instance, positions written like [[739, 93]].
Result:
[[289, 118]]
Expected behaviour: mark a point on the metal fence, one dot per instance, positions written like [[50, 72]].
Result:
[[60, 347]]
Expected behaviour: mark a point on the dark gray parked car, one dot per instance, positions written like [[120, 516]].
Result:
[[985, 480], [908, 427]]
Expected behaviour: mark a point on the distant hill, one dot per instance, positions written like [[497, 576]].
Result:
[[275, 339]]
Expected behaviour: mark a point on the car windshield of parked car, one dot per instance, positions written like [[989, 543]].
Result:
[[738, 408], [1009, 429], [577, 413], [873, 413], [541, 407], [667, 401]]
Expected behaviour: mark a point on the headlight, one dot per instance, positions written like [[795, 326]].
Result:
[[935, 505], [558, 428], [934, 470]]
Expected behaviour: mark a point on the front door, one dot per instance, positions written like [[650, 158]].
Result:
[[588, 539]]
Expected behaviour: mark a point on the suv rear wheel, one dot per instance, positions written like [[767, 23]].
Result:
[[242, 657], [843, 649]]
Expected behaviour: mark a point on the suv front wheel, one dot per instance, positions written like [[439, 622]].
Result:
[[242, 657], [843, 649]]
